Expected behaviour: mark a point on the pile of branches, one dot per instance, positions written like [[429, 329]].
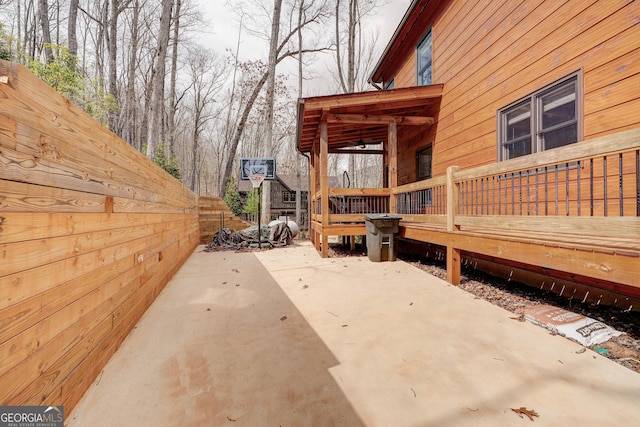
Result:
[[275, 236]]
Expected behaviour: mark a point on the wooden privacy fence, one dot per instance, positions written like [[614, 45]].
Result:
[[91, 231], [214, 216]]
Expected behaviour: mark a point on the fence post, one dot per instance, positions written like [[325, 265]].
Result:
[[453, 254]]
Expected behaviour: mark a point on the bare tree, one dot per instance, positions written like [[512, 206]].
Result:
[[72, 26], [357, 61], [174, 74], [206, 77], [157, 81], [129, 109], [271, 82], [43, 15], [117, 7], [284, 49]]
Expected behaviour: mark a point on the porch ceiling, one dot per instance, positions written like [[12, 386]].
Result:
[[364, 116]]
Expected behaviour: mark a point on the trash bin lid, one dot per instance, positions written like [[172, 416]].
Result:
[[379, 216]]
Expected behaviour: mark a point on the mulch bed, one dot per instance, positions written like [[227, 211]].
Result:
[[515, 297]]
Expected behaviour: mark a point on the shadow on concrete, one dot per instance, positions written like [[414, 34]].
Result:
[[222, 345], [269, 365]]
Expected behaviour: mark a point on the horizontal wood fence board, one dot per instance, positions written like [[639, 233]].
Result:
[[20, 256], [21, 316], [25, 343], [110, 310], [125, 170], [23, 226], [46, 173], [91, 232], [22, 197], [21, 283]]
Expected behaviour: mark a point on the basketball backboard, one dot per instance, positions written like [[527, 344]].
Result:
[[257, 166]]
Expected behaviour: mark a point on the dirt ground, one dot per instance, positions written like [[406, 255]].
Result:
[[516, 297]]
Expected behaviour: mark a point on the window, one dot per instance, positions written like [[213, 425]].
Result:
[[288, 196], [424, 52], [423, 163], [390, 85], [546, 119]]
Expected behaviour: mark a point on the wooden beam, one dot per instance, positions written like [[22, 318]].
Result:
[[354, 151], [379, 119], [375, 97], [393, 162], [324, 183], [313, 203], [585, 261]]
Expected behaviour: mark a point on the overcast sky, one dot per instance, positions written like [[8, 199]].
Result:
[[224, 32]]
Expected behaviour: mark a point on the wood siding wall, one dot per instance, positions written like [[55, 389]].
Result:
[[91, 231], [490, 54]]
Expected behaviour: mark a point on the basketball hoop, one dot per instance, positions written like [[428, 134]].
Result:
[[256, 179]]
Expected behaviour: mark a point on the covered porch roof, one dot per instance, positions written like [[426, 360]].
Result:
[[358, 119]]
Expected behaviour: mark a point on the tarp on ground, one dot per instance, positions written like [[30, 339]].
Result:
[[277, 235]]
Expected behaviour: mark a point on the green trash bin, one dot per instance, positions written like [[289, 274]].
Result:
[[381, 236]]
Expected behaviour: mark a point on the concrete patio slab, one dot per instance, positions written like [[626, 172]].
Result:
[[284, 337]]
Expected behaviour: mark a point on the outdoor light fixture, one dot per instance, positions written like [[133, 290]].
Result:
[[361, 143]]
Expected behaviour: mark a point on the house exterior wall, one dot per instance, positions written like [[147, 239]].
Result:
[[490, 54]]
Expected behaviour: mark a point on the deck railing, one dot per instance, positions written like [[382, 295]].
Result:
[[571, 189], [352, 204]]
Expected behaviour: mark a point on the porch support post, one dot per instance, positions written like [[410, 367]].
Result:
[[312, 194], [453, 265], [453, 254], [324, 184], [393, 163]]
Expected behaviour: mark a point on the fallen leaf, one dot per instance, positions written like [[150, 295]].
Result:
[[524, 411], [283, 318]]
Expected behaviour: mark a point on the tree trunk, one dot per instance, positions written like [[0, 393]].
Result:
[[271, 82], [43, 9], [130, 107], [71, 30], [196, 147], [112, 45], [174, 73], [238, 134], [157, 87]]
